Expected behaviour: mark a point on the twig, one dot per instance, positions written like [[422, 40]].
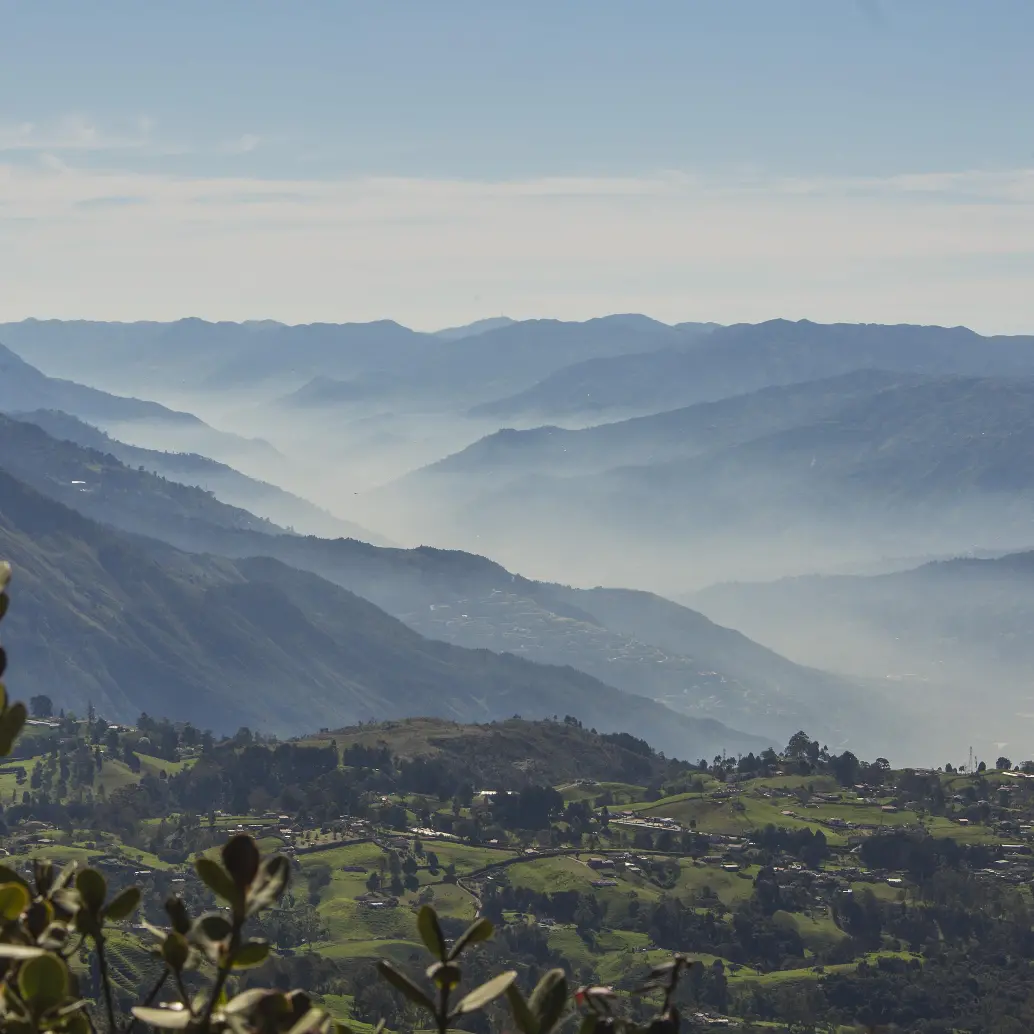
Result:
[[109, 1003]]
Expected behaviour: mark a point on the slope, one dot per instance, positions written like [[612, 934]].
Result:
[[223, 481], [254, 642], [23, 387], [98, 485]]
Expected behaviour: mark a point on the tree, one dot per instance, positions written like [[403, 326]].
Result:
[[1004, 764], [42, 706]]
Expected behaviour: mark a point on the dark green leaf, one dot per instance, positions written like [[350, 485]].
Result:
[[312, 1021], [175, 951], [165, 1019], [217, 880], [548, 999], [479, 930], [241, 858], [214, 927], [8, 875], [251, 953], [401, 982], [270, 883], [43, 982], [11, 721], [444, 975], [5, 602], [177, 913], [123, 904], [588, 1024], [486, 993], [246, 1001], [522, 1015], [14, 899], [92, 888], [431, 932]]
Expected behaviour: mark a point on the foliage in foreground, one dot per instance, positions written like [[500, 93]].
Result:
[[45, 922]]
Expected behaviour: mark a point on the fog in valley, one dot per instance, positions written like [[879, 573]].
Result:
[[812, 487]]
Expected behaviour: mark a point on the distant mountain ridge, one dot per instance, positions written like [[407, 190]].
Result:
[[739, 359], [382, 357], [843, 470], [101, 616]]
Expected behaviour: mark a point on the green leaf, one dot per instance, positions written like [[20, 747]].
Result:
[[14, 899], [241, 858], [5, 602], [166, 1019], [20, 951], [251, 953], [217, 880], [175, 951], [402, 983], [8, 875], [43, 983], [177, 913], [313, 1020], [246, 1001], [444, 975], [479, 930], [214, 927], [588, 1024], [11, 721], [522, 1015], [486, 993], [92, 888], [123, 904], [548, 999], [5, 575], [431, 932], [270, 884]]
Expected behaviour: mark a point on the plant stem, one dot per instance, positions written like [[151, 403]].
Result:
[[183, 993], [109, 1003], [223, 973]]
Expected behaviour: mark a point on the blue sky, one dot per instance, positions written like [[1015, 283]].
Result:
[[437, 162]]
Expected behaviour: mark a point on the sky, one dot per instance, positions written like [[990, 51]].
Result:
[[436, 163]]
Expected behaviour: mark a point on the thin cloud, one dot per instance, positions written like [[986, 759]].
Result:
[[422, 250], [244, 144]]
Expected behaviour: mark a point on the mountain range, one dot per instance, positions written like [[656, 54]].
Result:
[[634, 641], [382, 358], [864, 465], [744, 358], [133, 626]]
